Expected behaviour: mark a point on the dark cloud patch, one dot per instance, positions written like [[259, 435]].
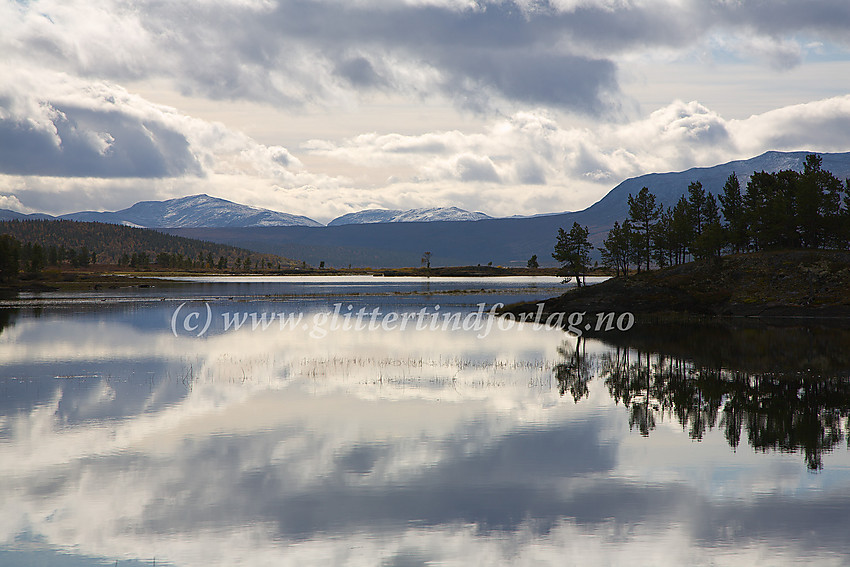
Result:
[[500, 49], [81, 142], [359, 72], [774, 17], [361, 459], [407, 558], [296, 51], [559, 80], [500, 52]]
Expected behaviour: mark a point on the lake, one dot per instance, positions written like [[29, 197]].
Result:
[[393, 421]]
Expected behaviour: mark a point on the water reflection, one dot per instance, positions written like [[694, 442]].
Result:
[[305, 289], [7, 318], [786, 388], [121, 442]]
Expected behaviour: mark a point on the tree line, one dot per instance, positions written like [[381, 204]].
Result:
[[785, 209], [33, 257], [30, 246]]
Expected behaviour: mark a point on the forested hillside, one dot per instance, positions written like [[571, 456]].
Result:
[[786, 209], [35, 244]]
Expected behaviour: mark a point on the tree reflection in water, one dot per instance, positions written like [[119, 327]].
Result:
[[780, 402], [7, 318]]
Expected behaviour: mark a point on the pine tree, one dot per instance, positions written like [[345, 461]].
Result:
[[664, 249], [617, 250], [732, 204], [643, 214], [572, 249], [680, 228], [818, 200], [696, 209]]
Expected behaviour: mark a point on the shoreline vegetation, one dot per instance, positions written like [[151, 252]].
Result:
[[767, 284], [777, 249]]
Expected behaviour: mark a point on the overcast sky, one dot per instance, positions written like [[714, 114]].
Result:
[[324, 107]]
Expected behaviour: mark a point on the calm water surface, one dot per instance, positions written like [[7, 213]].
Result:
[[126, 438]]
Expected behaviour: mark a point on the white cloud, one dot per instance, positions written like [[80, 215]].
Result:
[[68, 129], [526, 163], [12, 203], [55, 124], [819, 126], [298, 52], [92, 144], [499, 171]]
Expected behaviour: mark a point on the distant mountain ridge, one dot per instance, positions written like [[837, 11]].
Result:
[[503, 241], [430, 214], [194, 211], [6, 214], [203, 211]]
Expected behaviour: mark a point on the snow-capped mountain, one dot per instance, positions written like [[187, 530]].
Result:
[[371, 216], [367, 216], [203, 211], [194, 211]]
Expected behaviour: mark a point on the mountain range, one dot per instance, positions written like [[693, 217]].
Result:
[[186, 212], [391, 238], [196, 211]]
